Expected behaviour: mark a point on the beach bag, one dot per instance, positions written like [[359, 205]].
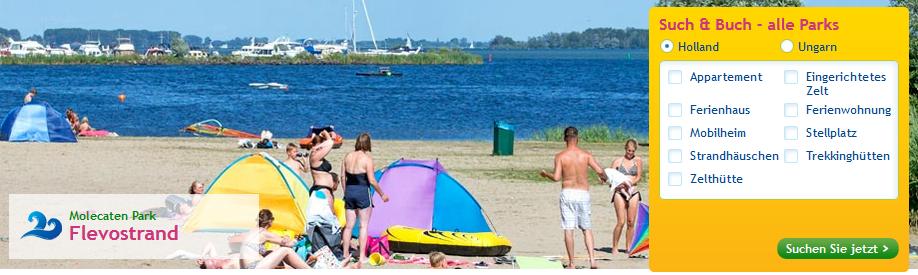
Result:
[[378, 245], [265, 144], [324, 236], [302, 248]]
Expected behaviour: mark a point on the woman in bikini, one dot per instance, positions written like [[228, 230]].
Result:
[[358, 170], [624, 201], [318, 165], [253, 246]]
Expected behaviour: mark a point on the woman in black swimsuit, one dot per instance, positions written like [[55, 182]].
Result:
[[626, 206], [318, 165], [357, 170]]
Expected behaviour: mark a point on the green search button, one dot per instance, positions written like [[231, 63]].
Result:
[[838, 248]]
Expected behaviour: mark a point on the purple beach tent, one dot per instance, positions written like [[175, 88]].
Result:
[[422, 195]]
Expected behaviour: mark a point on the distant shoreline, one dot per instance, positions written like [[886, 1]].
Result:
[[441, 57]]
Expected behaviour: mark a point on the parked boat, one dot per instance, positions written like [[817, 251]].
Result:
[[279, 47], [196, 53], [24, 48], [92, 48], [62, 50], [124, 47]]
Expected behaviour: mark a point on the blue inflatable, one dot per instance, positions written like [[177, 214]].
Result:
[[38, 122]]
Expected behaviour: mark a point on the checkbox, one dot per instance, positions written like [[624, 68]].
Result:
[[790, 77], [675, 179], [675, 133], [675, 156], [675, 109], [790, 109], [675, 77], [790, 155], [790, 132]]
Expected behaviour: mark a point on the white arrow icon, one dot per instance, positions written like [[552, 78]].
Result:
[[885, 248]]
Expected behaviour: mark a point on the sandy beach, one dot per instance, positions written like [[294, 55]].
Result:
[[522, 206]]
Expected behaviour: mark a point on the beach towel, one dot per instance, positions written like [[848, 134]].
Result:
[[616, 178], [524, 262], [424, 261], [325, 259], [97, 133]]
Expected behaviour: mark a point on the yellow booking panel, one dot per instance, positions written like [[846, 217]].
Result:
[[779, 139]]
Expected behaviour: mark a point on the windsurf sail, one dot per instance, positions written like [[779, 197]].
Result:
[[213, 127]]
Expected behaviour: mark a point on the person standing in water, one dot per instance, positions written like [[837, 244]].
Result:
[[571, 169], [357, 170]]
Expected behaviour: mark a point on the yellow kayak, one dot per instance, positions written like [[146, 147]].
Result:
[[414, 240]]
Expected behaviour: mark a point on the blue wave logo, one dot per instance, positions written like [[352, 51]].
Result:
[[41, 229]]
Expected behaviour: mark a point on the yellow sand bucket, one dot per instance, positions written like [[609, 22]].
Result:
[[377, 259]]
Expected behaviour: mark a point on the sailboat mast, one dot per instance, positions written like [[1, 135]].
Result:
[[369, 24], [354, 24]]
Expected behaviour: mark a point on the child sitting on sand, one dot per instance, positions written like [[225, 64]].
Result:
[[438, 260]]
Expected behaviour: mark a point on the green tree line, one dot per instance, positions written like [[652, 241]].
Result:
[[598, 38]]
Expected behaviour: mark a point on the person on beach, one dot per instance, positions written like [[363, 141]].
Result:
[[571, 169], [74, 120], [358, 170], [253, 246], [30, 95], [319, 167], [210, 260], [625, 197], [295, 160], [322, 225], [84, 125], [438, 260], [196, 190]]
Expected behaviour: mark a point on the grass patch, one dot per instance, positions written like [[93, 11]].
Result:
[[598, 133]]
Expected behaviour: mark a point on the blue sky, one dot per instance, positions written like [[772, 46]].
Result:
[[480, 20]]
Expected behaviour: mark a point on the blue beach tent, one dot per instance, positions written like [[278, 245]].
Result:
[[36, 121]]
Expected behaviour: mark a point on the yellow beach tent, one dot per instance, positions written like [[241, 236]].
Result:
[[279, 189]]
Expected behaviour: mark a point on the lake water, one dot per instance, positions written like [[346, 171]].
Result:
[[532, 90]]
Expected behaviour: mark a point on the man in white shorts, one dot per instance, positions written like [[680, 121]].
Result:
[[571, 169]]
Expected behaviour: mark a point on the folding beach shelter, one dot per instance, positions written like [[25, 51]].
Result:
[[279, 188], [641, 240], [422, 195], [36, 121]]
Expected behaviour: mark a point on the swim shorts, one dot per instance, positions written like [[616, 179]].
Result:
[[575, 209]]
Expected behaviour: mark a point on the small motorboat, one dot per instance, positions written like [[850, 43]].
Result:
[[383, 71], [272, 85], [275, 85]]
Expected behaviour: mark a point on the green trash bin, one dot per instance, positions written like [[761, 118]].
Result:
[[503, 138]]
